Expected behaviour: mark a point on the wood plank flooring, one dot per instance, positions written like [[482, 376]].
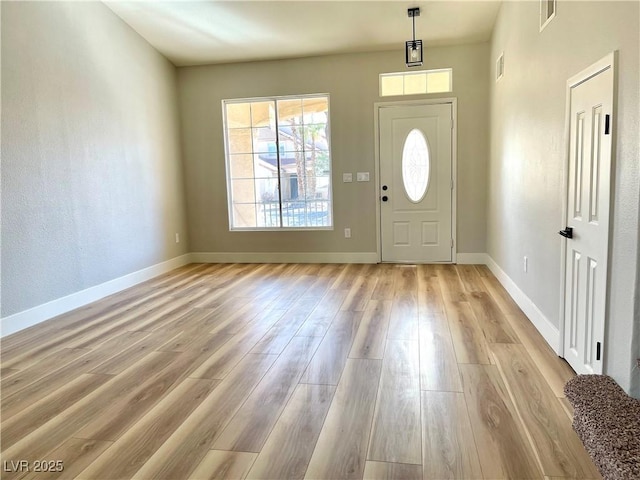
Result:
[[291, 371]]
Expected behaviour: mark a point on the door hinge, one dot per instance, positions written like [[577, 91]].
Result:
[[607, 124], [452, 243], [598, 350], [452, 184], [452, 120]]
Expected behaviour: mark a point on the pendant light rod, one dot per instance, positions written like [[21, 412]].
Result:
[[413, 48], [413, 13], [414, 28]]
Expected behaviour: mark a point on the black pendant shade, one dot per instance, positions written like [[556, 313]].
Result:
[[413, 54]]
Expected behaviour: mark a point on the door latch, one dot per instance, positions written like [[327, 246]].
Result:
[[567, 232]]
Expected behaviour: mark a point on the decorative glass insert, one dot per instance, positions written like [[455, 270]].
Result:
[[415, 83], [415, 165]]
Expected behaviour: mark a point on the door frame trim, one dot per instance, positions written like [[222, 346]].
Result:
[[453, 101], [609, 61]]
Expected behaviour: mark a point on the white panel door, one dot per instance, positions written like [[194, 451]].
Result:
[[416, 183], [588, 217]]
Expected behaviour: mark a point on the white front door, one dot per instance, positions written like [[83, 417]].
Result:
[[589, 179], [416, 182]]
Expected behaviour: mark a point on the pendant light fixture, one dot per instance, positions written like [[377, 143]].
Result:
[[413, 49]]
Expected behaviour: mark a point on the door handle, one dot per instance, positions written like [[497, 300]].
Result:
[[385, 198], [384, 187], [567, 232]]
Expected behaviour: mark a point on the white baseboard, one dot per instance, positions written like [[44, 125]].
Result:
[[547, 329], [27, 318], [284, 257], [471, 258]]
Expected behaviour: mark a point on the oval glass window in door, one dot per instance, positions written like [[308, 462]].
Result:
[[415, 165]]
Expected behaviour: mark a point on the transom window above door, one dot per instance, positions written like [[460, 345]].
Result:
[[278, 163], [415, 83]]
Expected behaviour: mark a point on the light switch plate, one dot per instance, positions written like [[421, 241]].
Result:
[[347, 177], [363, 176]]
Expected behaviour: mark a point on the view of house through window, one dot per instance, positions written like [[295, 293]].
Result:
[[278, 162]]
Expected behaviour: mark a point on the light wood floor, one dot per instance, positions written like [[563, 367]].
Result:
[[292, 371]]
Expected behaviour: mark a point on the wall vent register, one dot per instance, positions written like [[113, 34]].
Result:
[[500, 67], [547, 12]]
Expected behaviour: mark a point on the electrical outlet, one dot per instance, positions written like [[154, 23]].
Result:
[[347, 177], [347, 233], [525, 264], [177, 238]]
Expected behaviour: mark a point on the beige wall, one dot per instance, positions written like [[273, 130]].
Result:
[[528, 155], [91, 173], [352, 82]]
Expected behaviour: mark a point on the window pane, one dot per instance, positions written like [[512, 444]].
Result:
[[294, 214], [243, 190], [391, 85], [438, 82], [262, 114], [240, 140], [290, 112], [301, 213], [416, 83], [315, 137], [241, 166], [311, 188], [291, 138], [266, 164], [268, 215], [267, 189], [244, 215], [264, 140], [323, 187], [318, 213], [315, 109], [238, 115]]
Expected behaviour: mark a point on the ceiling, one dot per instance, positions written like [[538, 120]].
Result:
[[210, 31]]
